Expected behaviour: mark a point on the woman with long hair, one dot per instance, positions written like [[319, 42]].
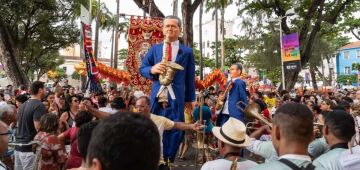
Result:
[[52, 155], [71, 109]]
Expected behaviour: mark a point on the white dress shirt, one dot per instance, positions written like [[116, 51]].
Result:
[[226, 104], [174, 50]]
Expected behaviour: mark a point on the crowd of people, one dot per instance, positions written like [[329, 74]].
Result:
[[234, 128], [52, 129]]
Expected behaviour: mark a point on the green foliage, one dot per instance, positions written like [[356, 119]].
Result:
[[324, 46], [222, 4], [38, 30], [356, 66], [317, 22], [60, 74], [207, 62], [123, 54], [352, 25], [233, 50], [274, 74], [75, 75], [347, 79]]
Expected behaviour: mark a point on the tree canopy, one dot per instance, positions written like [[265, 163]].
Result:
[[33, 32], [314, 19]]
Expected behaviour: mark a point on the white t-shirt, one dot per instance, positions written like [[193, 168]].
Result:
[[108, 110], [162, 123], [223, 164], [350, 161]]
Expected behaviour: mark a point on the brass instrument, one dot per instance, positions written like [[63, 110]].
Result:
[[200, 134], [253, 111], [220, 103], [167, 77]]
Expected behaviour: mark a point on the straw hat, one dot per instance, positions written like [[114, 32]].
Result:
[[233, 132]]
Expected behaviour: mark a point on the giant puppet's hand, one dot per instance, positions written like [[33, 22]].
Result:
[[158, 68]]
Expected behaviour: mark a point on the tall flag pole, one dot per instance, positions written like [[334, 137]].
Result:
[[92, 71], [93, 83]]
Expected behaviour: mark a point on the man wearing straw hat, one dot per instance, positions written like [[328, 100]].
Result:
[[231, 138]]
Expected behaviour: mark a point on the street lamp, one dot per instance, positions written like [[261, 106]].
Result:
[[289, 12]]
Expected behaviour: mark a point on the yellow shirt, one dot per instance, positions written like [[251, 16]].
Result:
[[270, 102], [188, 115], [162, 123]]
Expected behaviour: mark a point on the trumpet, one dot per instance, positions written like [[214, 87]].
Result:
[[253, 111]]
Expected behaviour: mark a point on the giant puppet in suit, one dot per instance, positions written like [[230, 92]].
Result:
[[182, 92], [231, 100]]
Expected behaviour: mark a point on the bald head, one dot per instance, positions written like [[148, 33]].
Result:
[[143, 106], [7, 113]]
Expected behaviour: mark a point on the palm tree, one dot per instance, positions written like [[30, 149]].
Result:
[[122, 28], [103, 15], [222, 5]]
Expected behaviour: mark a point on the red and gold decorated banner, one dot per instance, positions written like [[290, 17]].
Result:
[[142, 34]]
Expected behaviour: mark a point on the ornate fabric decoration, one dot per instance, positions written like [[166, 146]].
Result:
[[142, 34]]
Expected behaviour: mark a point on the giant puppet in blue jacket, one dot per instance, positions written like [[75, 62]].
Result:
[[182, 90], [235, 97]]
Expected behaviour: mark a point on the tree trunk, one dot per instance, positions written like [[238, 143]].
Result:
[[112, 48], [175, 7], [222, 37], [200, 41], [216, 38], [155, 12], [187, 16], [116, 35], [97, 27], [306, 39], [321, 75], [8, 59], [327, 57], [313, 77]]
